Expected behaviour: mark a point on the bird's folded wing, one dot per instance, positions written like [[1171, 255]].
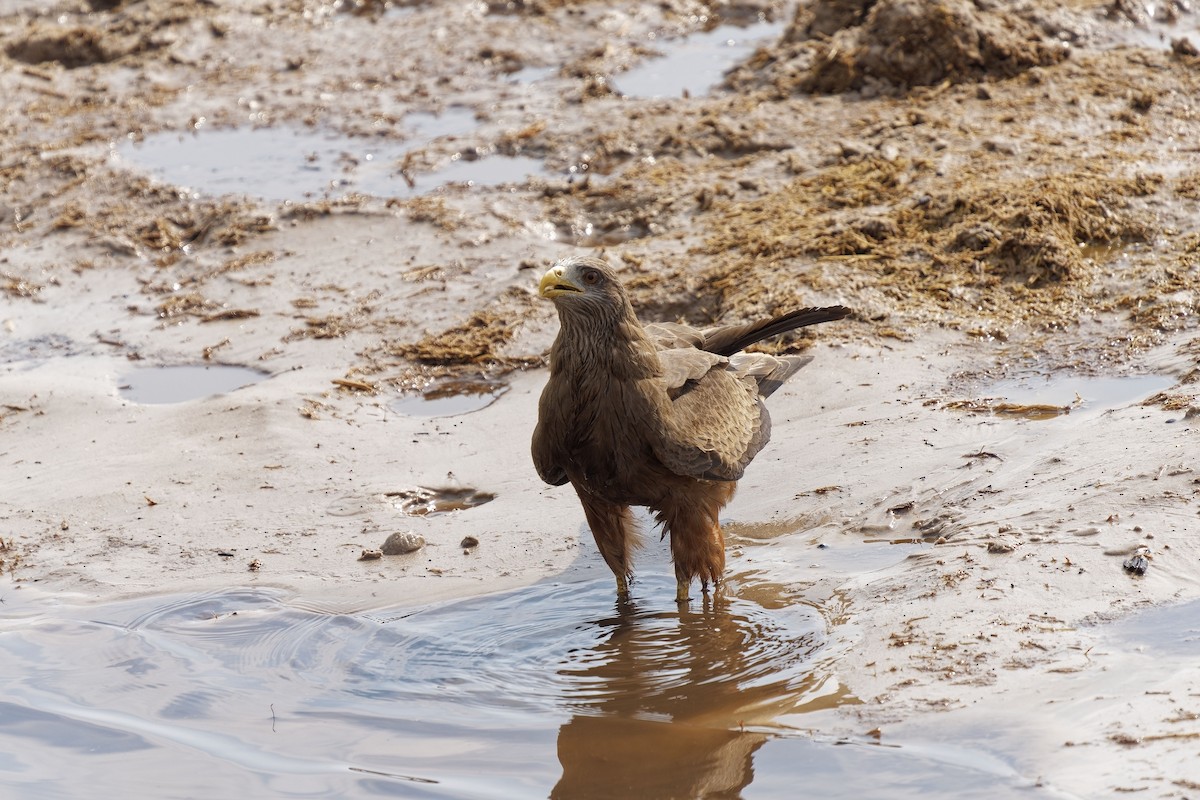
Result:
[[671, 335], [548, 435], [769, 372], [715, 423], [549, 468], [684, 366]]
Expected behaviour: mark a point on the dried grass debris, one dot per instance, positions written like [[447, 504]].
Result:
[[908, 43], [998, 247]]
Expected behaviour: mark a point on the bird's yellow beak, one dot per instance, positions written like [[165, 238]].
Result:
[[555, 283]]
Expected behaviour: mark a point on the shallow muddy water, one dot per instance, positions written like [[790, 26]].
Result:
[[178, 384], [552, 690], [450, 398], [279, 164], [1045, 397], [695, 64], [1164, 632]]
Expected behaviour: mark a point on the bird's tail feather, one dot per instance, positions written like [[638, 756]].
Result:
[[726, 341]]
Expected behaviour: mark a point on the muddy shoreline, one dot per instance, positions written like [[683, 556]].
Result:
[[1017, 200]]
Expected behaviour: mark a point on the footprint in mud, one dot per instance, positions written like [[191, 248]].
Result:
[[425, 501], [38, 349]]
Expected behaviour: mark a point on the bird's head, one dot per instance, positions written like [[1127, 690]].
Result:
[[583, 283]]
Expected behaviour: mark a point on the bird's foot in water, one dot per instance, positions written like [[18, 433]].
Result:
[[683, 589]]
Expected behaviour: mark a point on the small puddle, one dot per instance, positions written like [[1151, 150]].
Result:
[[490, 171], [450, 398], [528, 75], [696, 63], [427, 126], [1155, 33], [1166, 631], [279, 164], [30, 7], [426, 502], [553, 690], [1047, 397], [161, 385]]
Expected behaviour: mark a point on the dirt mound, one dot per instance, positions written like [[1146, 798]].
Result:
[[906, 43], [989, 246], [827, 18], [74, 47]]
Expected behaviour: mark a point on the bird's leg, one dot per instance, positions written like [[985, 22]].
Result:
[[697, 544], [682, 589], [616, 536]]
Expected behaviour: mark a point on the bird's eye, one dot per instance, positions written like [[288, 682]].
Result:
[[591, 277]]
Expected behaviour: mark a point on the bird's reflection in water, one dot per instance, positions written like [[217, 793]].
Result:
[[663, 703]]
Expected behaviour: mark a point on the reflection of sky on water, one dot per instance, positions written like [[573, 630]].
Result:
[[1083, 394], [280, 164], [176, 384], [694, 63]]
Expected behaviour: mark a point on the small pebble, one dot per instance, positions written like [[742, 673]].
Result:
[[468, 542], [370, 555], [402, 542], [1137, 565]]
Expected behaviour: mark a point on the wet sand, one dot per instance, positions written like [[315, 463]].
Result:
[[1012, 222]]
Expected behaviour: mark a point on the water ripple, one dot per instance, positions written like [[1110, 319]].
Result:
[[250, 693]]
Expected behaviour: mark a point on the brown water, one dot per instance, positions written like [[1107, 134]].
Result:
[[553, 690]]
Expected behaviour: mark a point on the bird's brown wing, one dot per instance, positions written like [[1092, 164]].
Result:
[[684, 366], [672, 335], [713, 422], [769, 372], [548, 436]]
